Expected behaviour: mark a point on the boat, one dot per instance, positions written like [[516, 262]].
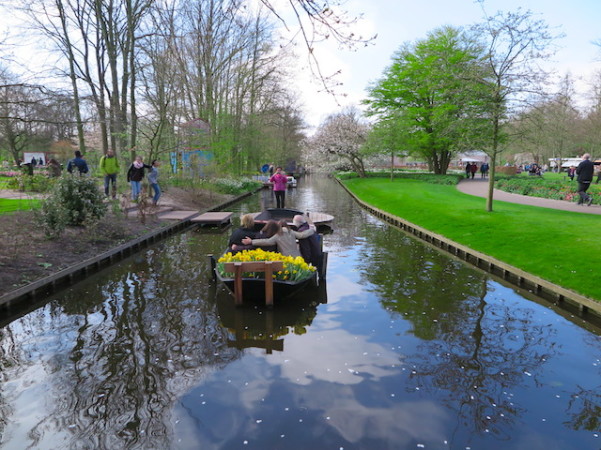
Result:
[[255, 288], [291, 182], [322, 221]]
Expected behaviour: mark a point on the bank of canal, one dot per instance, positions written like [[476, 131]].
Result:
[[404, 347]]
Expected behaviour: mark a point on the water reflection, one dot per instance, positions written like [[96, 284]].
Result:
[[403, 348]]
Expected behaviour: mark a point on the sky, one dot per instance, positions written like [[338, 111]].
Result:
[[399, 21]]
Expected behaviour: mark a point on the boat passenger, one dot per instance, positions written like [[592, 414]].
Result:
[[285, 239], [310, 247], [247, 228]]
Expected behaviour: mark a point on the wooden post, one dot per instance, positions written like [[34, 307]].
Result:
[[268, 283], [238, 268], [238, 283]]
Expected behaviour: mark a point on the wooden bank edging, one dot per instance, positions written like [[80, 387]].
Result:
[[70, 275], [508, 273]]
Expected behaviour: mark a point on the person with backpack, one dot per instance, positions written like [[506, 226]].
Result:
[[109, 167]]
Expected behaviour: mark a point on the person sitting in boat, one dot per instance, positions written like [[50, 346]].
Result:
[[285, 239], [247, 228], [269, 229], [309, 247]]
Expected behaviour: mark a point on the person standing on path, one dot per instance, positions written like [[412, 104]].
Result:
[[135, 174], [109, 167], [280, 184], [153, 179], [79, 163], [483, 170], [468, 170], [474, 169], [585, 175]]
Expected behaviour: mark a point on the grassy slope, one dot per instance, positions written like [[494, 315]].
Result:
[[560, 246], [10, 205]]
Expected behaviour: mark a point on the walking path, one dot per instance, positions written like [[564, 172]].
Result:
[[479, 188]]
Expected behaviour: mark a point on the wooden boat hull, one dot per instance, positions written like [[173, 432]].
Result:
[[254, 288]]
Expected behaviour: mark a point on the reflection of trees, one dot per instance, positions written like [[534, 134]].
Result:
[[584, 409], [126, 349], [474, 351]]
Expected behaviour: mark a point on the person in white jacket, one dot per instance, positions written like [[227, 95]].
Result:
[[284, 239]]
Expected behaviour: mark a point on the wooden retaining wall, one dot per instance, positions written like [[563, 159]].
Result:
[[538, 286], [50, 284]]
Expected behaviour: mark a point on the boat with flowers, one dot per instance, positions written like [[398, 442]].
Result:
[[263, 275]]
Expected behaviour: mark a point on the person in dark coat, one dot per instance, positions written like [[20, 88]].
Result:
[[585, 172], [468, 170], [309, 247], [135, 174], [79, 163], [247, 228]]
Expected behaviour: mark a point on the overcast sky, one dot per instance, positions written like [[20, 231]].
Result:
[[400, 21]]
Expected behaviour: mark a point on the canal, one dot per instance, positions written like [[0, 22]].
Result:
[[404, 347]]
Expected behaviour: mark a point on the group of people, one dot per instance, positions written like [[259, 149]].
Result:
[[472, 168], [280, 237], [109, 167]]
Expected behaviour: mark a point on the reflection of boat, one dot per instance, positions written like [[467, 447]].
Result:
[[322, 221], [254, 327]]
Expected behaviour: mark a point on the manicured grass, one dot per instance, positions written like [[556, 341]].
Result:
[[560, 246], [11, 205]]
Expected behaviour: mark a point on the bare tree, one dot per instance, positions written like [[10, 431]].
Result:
[[516, 44]]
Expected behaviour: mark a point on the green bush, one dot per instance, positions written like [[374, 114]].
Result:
[[556, 189], [28, 183], [74, 200]]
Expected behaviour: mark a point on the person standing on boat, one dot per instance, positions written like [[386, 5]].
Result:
[[280, 184], [284, 238], [309, 247]]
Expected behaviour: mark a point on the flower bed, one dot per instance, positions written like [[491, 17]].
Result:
[[539, 187], [295, 269]]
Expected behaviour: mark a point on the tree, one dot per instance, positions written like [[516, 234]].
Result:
[[515, 44], [433, 91], [341, 135]]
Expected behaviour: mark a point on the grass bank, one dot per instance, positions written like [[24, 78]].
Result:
[[559, 246], [12, 205]]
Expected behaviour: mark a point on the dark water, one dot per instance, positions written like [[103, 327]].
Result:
[[404, 347]]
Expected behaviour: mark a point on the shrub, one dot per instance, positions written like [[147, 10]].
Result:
[[28, 183], [540, 187], [74, 200]]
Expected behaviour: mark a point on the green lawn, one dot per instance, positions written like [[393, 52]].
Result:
[[560, 246], [10, 205]]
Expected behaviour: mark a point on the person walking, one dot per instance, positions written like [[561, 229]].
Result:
[[468, 170], [280, 184], [78, 163], [483, 170], [153, 179], [585, 175], [135, 175], [474, 169], [109, 167]]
